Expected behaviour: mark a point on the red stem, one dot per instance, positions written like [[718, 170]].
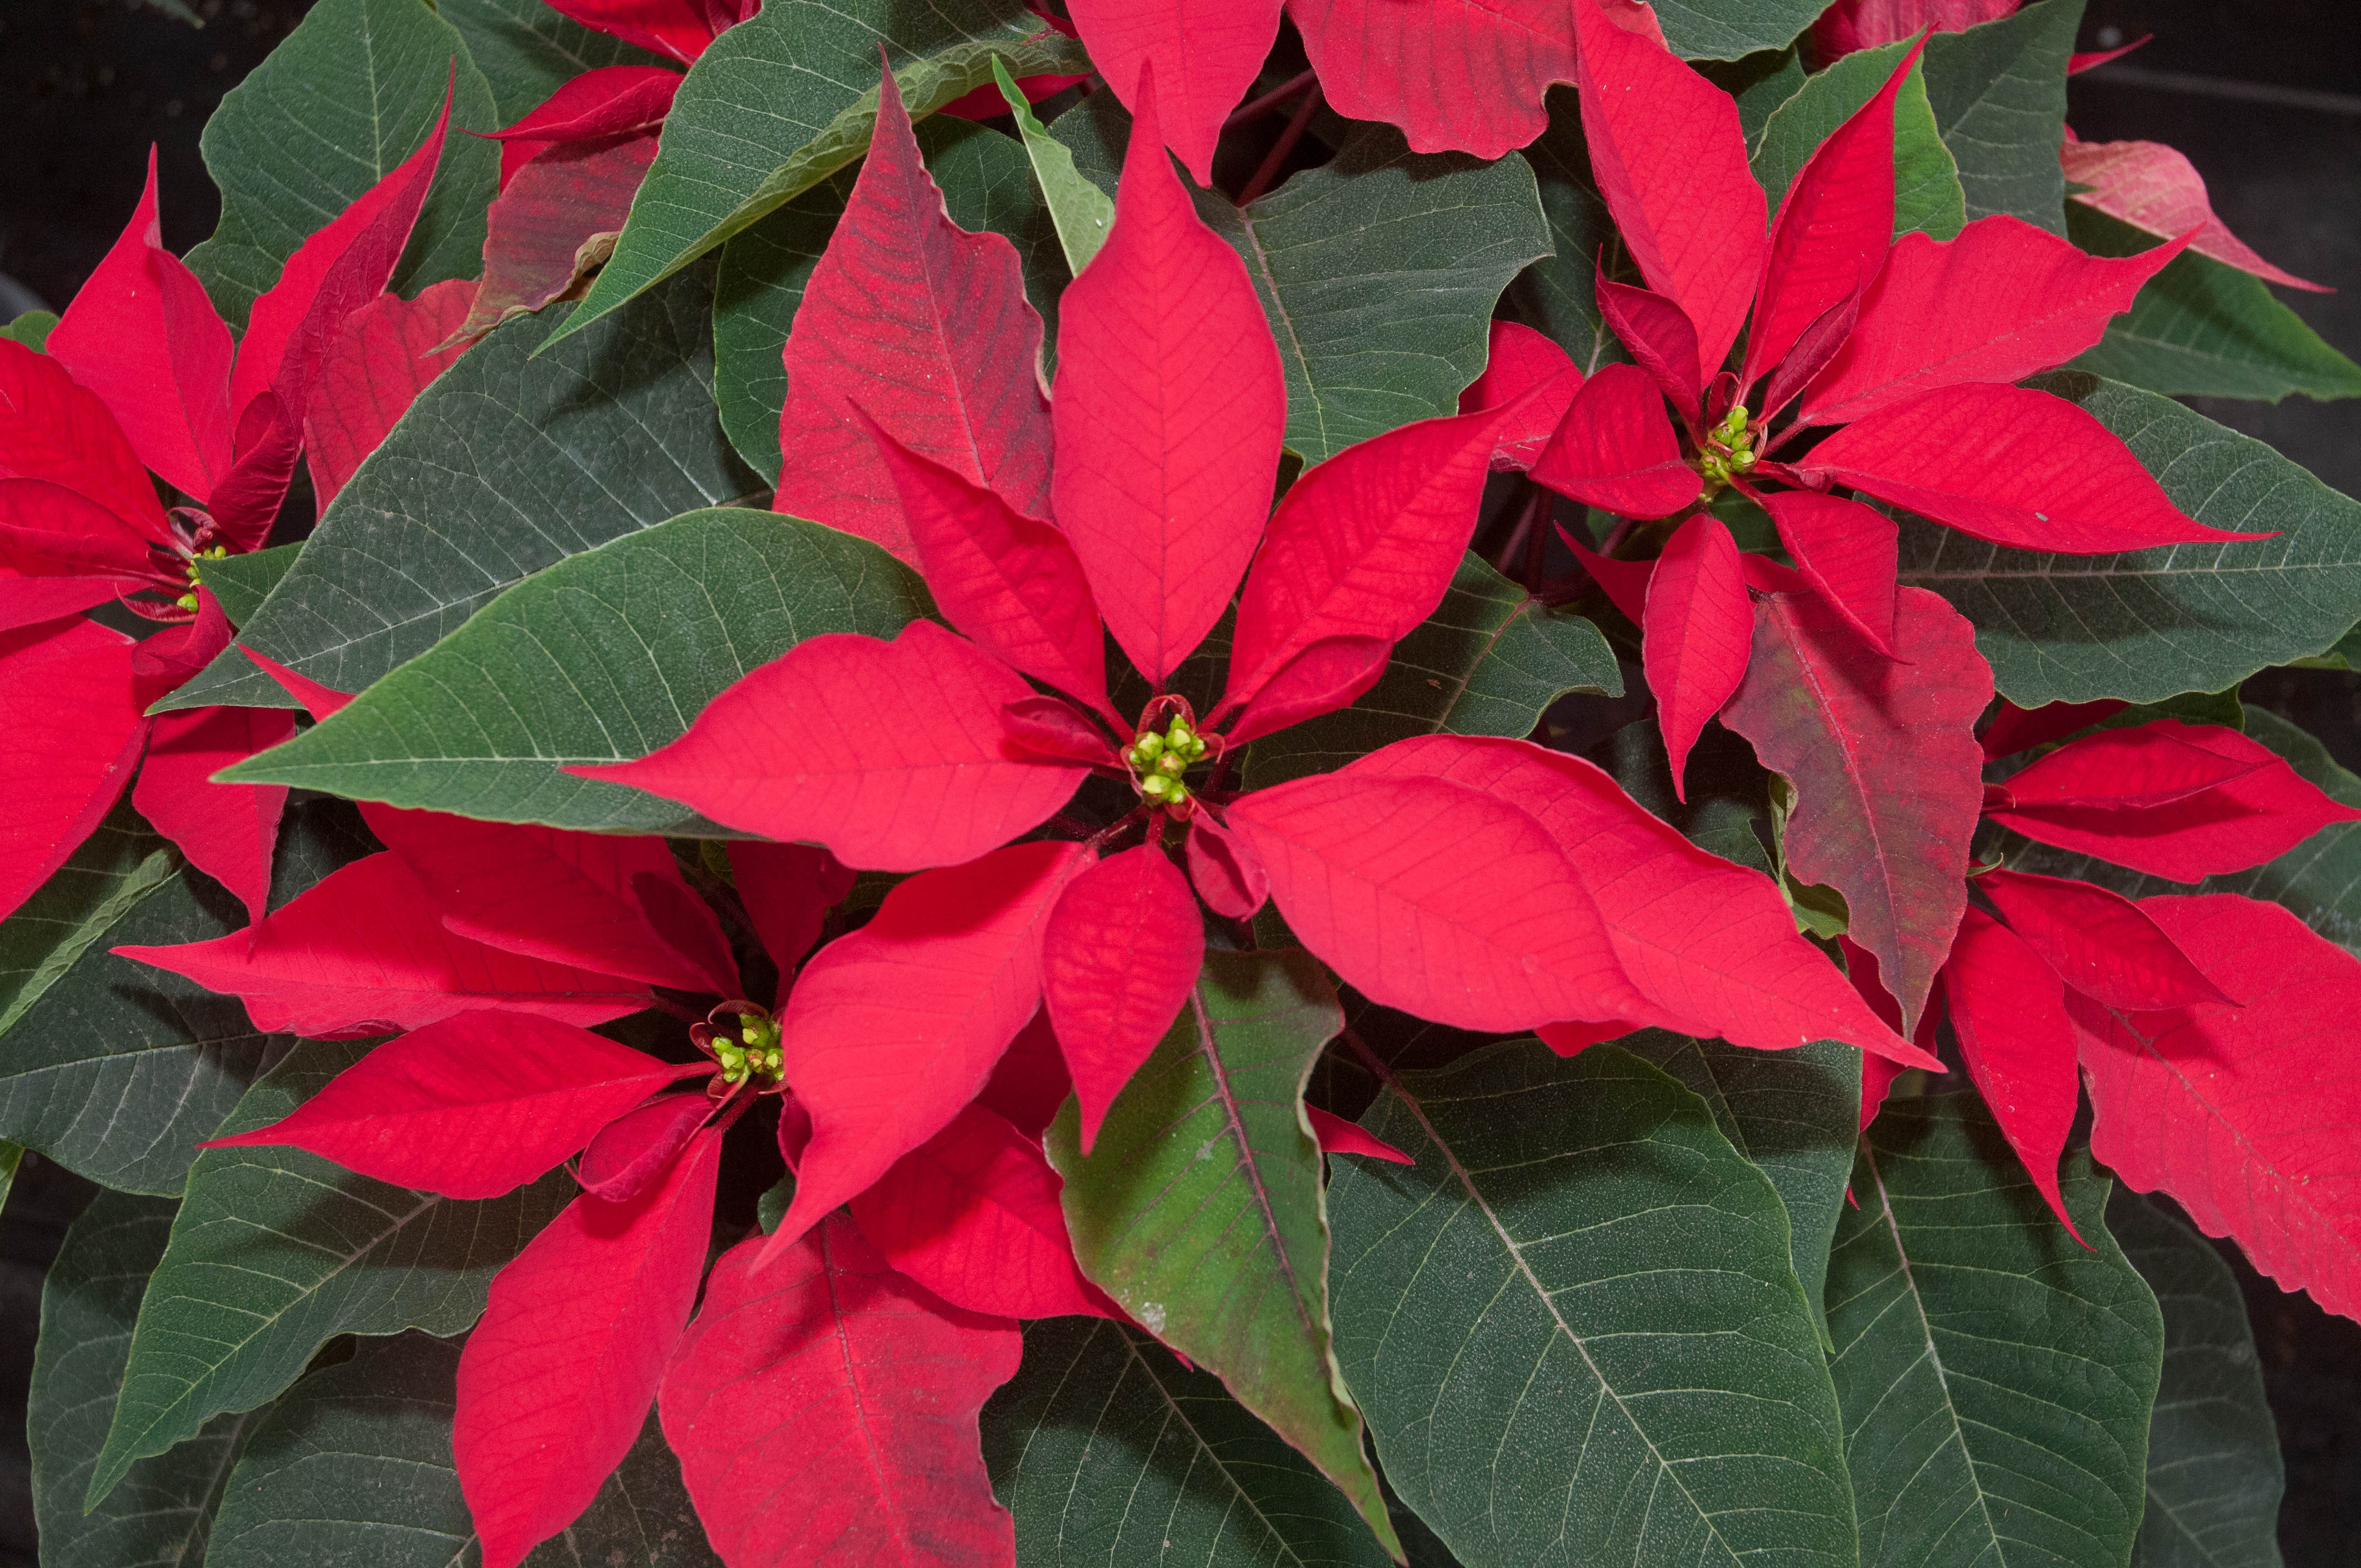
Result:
[[1254, 109], [1285, 144]]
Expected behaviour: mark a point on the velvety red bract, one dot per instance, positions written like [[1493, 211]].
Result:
[[1847, 551], [1170, 408], [228, 832], [1698, 624], [890, 753], [1851, 24], [1878, 1073], [1030, 1084], [1660, 338], [2133, 767], [928, 327], [1625, 583], [318, 701], [974, 1215], [788, 890], [680, 28], [2154, 187], [1614, 450], [375, 365], [555, 1381], [538, 236], [365, 952], [2101, 943], [1999, 303], [1336, 1135], [2008, 1012], [1519, 361], [2243, 1115], [1669, 160], [1454, 78], [604, 101], [826, 1410], [641, 1145], [71, 489], [2014, 728], [1119, 954], [1203, 54], [473, 1106], [2011, 466], [1227, 874], [74, 736], [1885, 761], [891, 1030]]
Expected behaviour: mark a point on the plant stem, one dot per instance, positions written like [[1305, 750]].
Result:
[[1285, 144], [1256, 109]]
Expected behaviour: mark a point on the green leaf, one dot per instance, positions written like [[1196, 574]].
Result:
[[504, 465], [164, 1511], [243, 582], [527, 50], [1083, 212], [562, 670], [353, 91], [1487, 662], [276, 1251], [353, 1465], [1109, 1450], [1927, 193], [2202, 329], [1727, 789], [112, 1069], [1574, 1326], [1726, 29], [780, 102], [1378, 270], [2149, 623], [31, 329], [1200, 1207], [987, 185], [2214, 1474], [1794, 1113], [1999, 96], [1996, 1376], [1558, 295], [1759, 84]]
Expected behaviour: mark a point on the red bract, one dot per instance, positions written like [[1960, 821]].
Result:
[[1851, 24], [681, 28], [2154, 187], [1454, 78]]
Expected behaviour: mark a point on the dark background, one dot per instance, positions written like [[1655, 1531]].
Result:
[[2263, 95]]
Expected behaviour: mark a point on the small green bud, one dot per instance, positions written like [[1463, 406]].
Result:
[[1178, 737], [1173, 764], [1155, 786], [1150, 746], [1742, 459]]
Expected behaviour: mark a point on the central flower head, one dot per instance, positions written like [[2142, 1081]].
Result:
[[1167, 745], [1729, 450], [753, 1055]]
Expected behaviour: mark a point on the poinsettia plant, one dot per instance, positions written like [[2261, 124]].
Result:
[[1281, 782]]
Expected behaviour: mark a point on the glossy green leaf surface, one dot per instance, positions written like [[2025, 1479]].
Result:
[[1108, 1450], [528, 49], [1200, 1207], [1999, 95], [1574, 1325], [2146, 624], [243, 582], [1996, 1376], [276, 1251], [505, 465], [162, 1513], [780, 102], [353, 91], [1927, 193], [561, 670]]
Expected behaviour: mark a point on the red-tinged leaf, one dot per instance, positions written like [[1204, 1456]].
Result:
[[1224, 869], [639, 1146], [1330, 675], [539, 237], [1011, 583], [1454, 78], [373, 369], [555, 1382], [246, 501], [890, 753], [826, 1410], [2263, 809], [1883, 758], [473, 1106], [1434, 898], [1031, 1080], [1118, 956], [1364, 545], [2154, 187], [227, 831], [1336, 1135], [788, 890], [2134, 769], [2101, 943], [1625, 583], [891, 1030], [27, 600], [318, 701], [606, 102], [74, 734], [973, 1214], [1616, 450], [1203, 54], [928, 327], [1521, 361], [566, 898], [2010, 465], [2244, 1115], [1851, 24], [1169, 409], [1669, 160], [1708, 947], [687, 923], [680, 28], [59, 446], [142, 334], [1878, 1073], [1847, 551], [364, 953], [1999, 303], [1660, 338], [1832, 230], [2014, 728], [1699, 625], [2008, 1011]]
